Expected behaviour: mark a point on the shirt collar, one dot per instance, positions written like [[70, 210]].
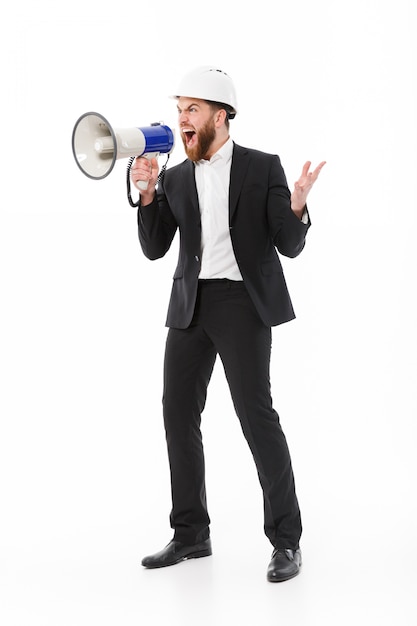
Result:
[[225, 152]]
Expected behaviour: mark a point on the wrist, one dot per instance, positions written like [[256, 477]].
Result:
[[299, 211], [147, 197]]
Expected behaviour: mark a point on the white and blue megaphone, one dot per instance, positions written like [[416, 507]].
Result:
[[96, 146]]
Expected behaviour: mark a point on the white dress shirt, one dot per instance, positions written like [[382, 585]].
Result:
[[212, 180]]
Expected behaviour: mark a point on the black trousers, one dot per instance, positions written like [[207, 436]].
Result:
[[225, 323]]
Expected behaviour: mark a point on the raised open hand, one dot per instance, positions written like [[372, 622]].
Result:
[[303, 186]]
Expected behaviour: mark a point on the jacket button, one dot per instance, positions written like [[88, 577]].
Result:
[[197, 258]]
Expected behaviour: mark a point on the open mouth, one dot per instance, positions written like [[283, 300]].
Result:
[[190, 136]]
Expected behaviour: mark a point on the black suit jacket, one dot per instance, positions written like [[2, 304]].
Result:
[[260, 220]]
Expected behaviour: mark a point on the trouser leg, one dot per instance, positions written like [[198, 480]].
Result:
[[244, 345], [189, 361], [263, 432]]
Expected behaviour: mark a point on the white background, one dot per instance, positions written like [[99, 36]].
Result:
[[84, 477]]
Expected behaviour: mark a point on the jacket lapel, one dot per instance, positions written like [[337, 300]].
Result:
[[189, 184], [240, 162]]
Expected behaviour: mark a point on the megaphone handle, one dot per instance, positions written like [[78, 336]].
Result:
[[143, 184]]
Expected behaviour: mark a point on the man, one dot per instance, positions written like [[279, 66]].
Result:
[[234, 211]]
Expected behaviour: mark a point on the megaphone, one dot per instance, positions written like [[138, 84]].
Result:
[[96, 145]]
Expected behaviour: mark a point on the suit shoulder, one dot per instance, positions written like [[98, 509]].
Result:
[[256, 154]]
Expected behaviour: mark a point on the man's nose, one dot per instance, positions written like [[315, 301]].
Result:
[[182, 117]]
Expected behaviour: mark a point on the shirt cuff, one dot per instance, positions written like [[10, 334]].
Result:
[[304, 217]]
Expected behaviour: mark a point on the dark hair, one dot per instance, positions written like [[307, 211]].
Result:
[[217, 106]]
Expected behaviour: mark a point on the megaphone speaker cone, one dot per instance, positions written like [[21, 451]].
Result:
[[94, 145]]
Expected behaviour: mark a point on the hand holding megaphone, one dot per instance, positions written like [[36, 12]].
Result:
[[144, 173]]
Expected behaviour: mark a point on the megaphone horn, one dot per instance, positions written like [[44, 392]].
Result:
[[96, 146]]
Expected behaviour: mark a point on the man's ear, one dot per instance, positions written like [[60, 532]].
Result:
[[220, 117]]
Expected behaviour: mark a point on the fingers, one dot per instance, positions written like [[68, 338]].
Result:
[[306, 168], [311, 177], [143, 166], [154, 163], [145, 170], [318, 169], [303, 185]]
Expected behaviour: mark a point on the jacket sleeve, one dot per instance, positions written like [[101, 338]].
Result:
[[287, 230], [156, 227]]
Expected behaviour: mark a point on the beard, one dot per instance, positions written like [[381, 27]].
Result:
[[205, 137]]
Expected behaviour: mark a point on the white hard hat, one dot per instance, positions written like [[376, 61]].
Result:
[[209, 83]]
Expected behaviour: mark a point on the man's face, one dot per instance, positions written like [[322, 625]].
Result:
[[198, 131]]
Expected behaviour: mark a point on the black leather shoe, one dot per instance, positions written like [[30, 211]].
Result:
[[175, 552], [285, 564]]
